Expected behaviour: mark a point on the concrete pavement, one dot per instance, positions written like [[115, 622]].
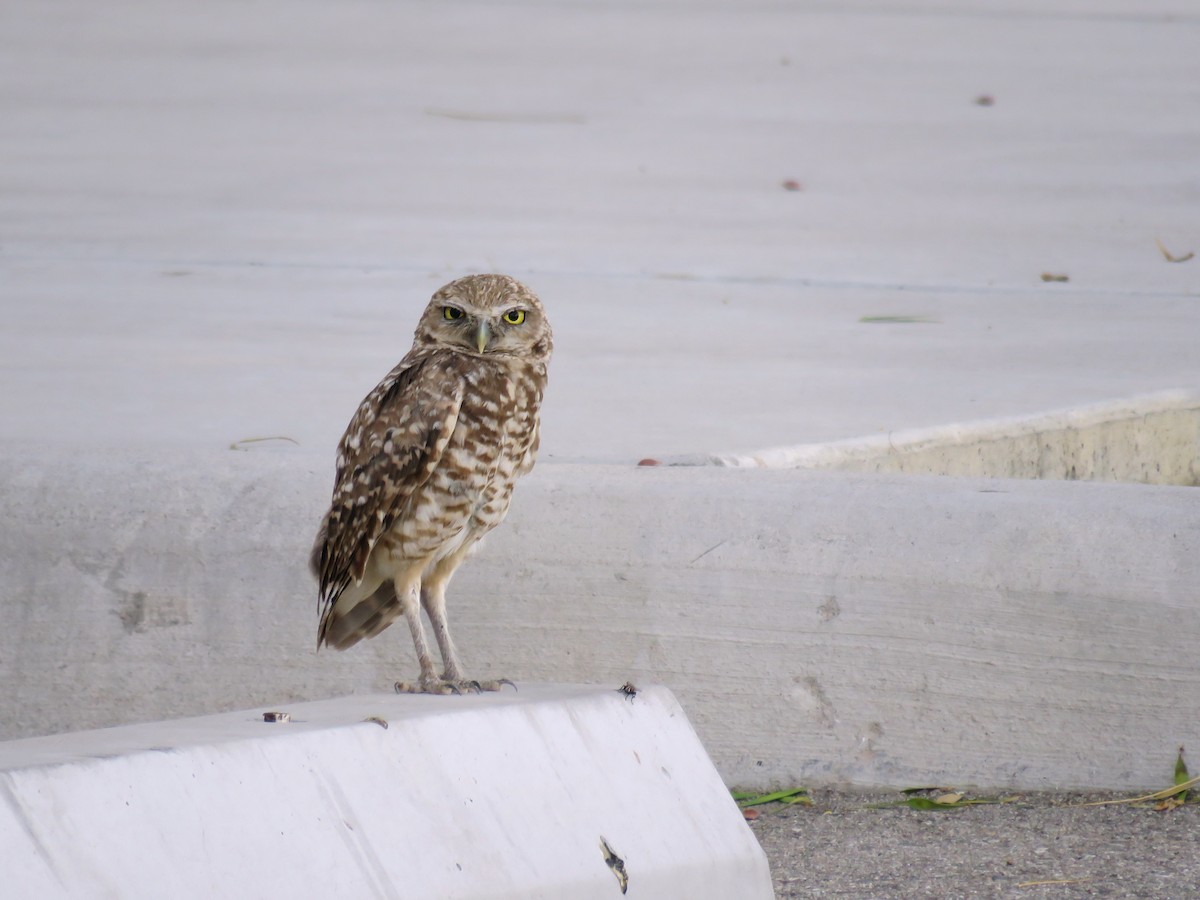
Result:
[[222, 226]]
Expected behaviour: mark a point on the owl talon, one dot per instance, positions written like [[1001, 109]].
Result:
[[496, 685]]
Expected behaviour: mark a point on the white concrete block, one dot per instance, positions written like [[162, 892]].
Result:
[[503, 795]]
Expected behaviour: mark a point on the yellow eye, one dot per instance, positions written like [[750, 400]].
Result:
[[451, 313], [514, 316]]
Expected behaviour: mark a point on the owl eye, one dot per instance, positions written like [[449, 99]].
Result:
[[452, 313], [514, 316]]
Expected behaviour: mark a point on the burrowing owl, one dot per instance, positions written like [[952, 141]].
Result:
[[427, 466]]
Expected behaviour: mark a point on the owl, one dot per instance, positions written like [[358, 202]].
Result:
[[427, 466]]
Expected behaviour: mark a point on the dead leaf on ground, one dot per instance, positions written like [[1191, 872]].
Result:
[[241, 445], [1171, 257], [1171, 797]]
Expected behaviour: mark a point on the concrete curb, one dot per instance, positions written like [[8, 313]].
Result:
[[1151, 439], [556, 792], [821, 628]]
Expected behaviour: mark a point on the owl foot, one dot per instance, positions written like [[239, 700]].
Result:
[[442, 686]]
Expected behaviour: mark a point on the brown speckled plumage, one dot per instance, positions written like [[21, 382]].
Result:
[[427, 467]]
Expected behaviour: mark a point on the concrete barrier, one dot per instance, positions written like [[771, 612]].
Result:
[[553, 792], [819, 627], [1153, 439]]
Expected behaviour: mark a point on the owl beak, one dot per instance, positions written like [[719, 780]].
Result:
[[483, 335]]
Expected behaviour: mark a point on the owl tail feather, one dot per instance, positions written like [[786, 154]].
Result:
[[345, 622]]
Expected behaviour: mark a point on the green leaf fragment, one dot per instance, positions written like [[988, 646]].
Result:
[[1181, 776], [953, 800], [928, 803], [790, 795]]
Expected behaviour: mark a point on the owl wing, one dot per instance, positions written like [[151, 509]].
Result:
[[391, 447], [531, 451], [529, 456]]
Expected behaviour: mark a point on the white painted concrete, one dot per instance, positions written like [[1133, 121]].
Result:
[[819, 627], [500, 796]]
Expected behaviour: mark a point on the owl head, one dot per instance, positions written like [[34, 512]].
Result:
[[486, 315]]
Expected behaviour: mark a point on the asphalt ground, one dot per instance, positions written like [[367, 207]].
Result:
[[1033, 845]]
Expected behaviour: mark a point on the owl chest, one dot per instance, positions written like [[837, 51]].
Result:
[[488, 443], [471, 485]]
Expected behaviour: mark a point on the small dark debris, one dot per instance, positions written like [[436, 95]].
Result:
[[615, 863]]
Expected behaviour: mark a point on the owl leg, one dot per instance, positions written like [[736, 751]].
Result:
[[429, 683], [433, 599]]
